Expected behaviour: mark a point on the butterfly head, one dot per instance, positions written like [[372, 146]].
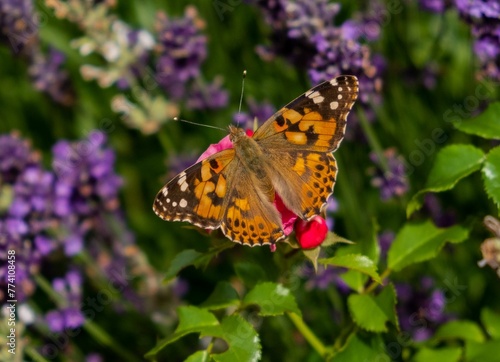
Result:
[[236, 134]]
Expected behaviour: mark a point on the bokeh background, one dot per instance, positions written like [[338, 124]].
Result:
[[88, 92]]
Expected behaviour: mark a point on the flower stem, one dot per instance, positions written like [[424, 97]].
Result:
[[92, 328], [372, 139], [307, 333], [374, 284]]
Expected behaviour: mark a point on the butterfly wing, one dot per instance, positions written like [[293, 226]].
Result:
[[197, 194], [250, 217], [218, 192], [314, 121], [298, 141]]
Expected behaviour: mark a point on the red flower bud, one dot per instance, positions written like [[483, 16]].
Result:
[[311, 234]]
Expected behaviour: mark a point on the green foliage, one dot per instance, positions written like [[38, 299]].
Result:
[[342, 301], [272, 299], [420, 242], [356, 262], [373, 312], [485, 125]]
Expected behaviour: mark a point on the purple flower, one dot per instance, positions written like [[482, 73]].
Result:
[[332, 206], [484, 18], [18, 25], [49, 77], [304, 33], [442, 218], [68, 315], [182, 50], [86, 187], [435, 6], [421, 310], [260, 111], [207, 96], [392, 182], [324, 278], [15, 155], [385, 240]]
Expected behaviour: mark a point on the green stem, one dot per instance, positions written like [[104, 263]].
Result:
[[104, 338], [92, 328], [307, 333], [47, 288], [34, 355], [372, 139], [374, 284]]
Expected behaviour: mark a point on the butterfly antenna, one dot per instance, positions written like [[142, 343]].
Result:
[[242, 91], [199, 124]]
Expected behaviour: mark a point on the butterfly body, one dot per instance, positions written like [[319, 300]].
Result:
[[289, 155]]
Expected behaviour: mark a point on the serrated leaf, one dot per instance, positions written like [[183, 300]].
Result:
[[243, 341], [360, 263], [491, 175], [445, 354], [354, 280], [273, 299], [373, 312], [180, 261], [465, 330], [482, 352], [199, 356], [491, 322], [366, 348], [452, 164], [191, 320], [223, 296], [486, 125], [415, 243]]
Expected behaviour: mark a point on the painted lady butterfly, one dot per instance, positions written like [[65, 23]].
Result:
[[290, 154]]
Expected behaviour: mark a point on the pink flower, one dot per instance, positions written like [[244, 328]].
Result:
[[311, 234]]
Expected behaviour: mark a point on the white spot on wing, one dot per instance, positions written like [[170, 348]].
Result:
[[174, 204], [339, 96], [334, 82], [165, 191], [184, 186], [182, 178], [334, 105], [183, 203]]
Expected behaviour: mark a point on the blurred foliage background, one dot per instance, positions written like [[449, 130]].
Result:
[[420, 67]]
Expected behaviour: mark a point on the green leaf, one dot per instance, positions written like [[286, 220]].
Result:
[[366, 348], [491, 322], [181, 260], [482, 352], [372, 313], [445, 354], [191, 320], [419, 242], [360, 263], [250, 273], [273, 299], [243, 341], [223, 296], [491, 175], [465, 330], [486, 125], [452, 164], [199, 356]]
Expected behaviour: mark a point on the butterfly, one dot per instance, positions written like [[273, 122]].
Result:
[[289, 155]]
